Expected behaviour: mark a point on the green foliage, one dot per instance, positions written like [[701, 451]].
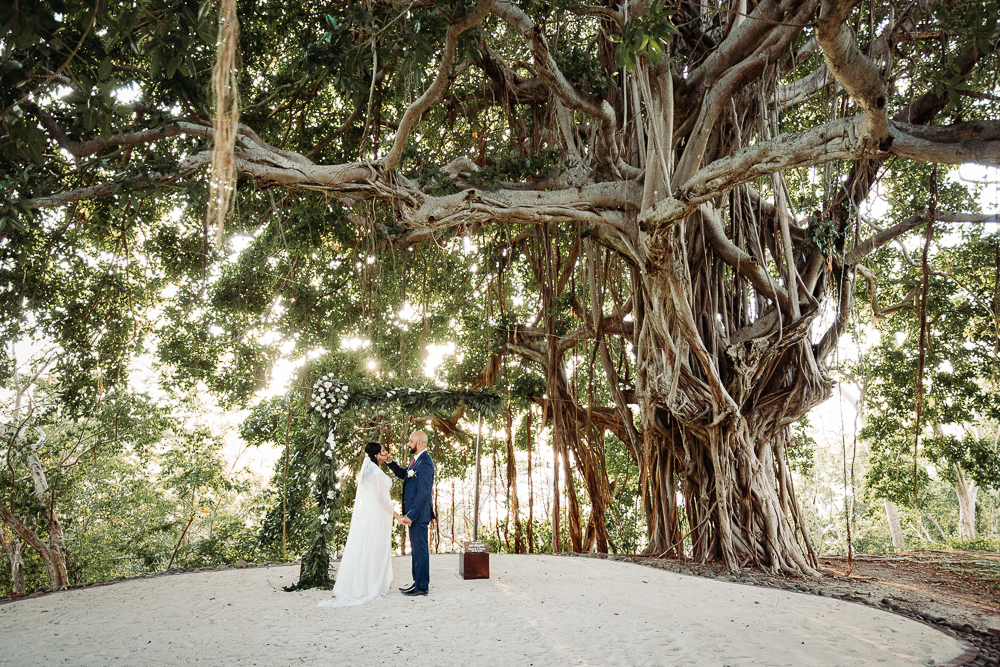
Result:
[[422, 401], [626, 524], [526, 387], [582, 68], [975, 25], [821, 235], [802, 448], [649, 33], [513, 167]]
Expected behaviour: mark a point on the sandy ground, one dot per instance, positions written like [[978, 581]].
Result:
[[535, 610]]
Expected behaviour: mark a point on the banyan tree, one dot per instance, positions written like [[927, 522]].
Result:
[[697, 170]]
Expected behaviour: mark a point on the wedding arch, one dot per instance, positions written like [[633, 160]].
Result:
[[331, 400]]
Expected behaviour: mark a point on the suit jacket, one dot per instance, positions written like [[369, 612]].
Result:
[[417, 490]]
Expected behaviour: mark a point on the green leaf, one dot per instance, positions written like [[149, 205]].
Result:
[[104, 71], [655, 52], [156, 62]]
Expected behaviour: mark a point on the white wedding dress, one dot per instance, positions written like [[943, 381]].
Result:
[[366, 567]]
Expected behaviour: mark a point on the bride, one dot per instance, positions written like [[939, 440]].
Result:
[[366, 567]]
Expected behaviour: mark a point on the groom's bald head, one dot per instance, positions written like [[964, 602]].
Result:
[[418, 442]]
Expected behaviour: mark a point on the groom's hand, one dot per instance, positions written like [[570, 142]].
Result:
[[406, 521]]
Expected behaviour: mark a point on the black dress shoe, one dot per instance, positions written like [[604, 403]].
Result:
[[407, 589], [413, 592]]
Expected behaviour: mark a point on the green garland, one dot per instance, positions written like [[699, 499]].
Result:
[[332, 399]]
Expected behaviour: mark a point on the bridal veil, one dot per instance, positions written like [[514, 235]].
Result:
[[365, 571]]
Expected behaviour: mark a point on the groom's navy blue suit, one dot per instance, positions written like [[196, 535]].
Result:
[[418, 508]]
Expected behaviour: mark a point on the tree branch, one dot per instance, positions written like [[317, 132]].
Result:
[[434, 93], [870, 244], [878, 313], [983, 149], [853, 70], [569, 96], [799, 91]]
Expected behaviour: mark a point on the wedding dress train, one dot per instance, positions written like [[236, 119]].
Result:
[[366, 567]]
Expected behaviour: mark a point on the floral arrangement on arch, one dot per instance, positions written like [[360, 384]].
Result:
[[329, 397]]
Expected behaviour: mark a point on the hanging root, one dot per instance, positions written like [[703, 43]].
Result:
[[227, 116]]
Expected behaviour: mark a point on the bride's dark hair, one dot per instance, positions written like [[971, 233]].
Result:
[[373, 449]]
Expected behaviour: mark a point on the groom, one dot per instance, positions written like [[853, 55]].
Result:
[[418, 480]]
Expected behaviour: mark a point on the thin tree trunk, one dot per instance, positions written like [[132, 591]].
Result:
[[13, 547], [512, 499], [923, 529], [966, 490], [555, 498], [895, 529], [531, 490], [55, 555]]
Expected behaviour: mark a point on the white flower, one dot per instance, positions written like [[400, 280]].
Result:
[[327, 384], [330, 495], [322, 519], [344, 387], [412, 391], [336, 411], [411, 473], [331, 438]]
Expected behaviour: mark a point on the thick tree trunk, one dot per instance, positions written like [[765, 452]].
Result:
[[664, 526], [724, 415], [55, 559], [966, 490], [895, 529]]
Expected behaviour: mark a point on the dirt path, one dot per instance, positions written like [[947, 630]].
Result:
[[962, 587]]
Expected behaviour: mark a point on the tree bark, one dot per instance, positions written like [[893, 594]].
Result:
[[966, 490], [13, 547], [895, 529], [512, 500], [531, 488]]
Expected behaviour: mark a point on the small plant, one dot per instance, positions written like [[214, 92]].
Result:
[[650, 33]]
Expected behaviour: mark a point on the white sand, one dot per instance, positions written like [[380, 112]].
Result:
[[535, 610]]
